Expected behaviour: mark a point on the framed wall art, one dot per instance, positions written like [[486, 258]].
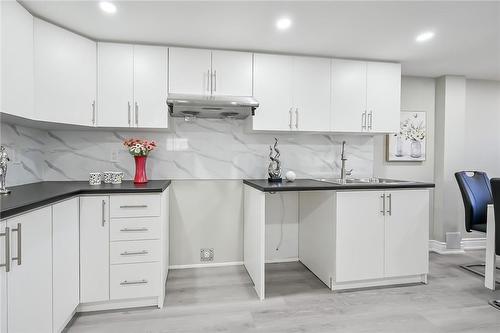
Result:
[[408, 145]]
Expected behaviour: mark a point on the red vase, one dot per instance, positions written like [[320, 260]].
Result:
[[140, 170]]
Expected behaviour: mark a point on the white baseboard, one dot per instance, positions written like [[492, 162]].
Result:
[[466, 244], [212, 264], [230, 263], [275, 261]]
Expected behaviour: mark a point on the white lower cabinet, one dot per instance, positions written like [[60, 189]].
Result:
[[374, 238], [135, 280], [359, 237], [65, 262], [123, 250], [94, 249], [29, 278]]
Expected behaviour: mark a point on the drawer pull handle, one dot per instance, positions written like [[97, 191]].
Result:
[[133, 253], [134, 206], [133, 229], [125, 283], [6, 234]]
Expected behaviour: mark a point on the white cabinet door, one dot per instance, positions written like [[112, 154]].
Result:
[[407, 233], [29, 283], [273, 89], [66, 258], [65, 75], [189, 71], [231, 73], [359, 236], [94, 249], [311, 93], [383, 81], [348, 95], [17, 60], [3, 277], [115, 84], [150, 87]]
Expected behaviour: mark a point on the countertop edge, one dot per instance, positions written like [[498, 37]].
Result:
[[76, 192], [334, 187]]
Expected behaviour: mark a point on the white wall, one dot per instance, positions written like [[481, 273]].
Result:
[[417, 94], [482, 130]]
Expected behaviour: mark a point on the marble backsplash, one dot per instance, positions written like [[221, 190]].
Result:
[[204, 149]]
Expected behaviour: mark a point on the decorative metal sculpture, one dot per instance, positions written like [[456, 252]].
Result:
[[274, 169], [4, 158]]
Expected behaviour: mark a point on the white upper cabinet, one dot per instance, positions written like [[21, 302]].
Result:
[[132, 86], [311, 93], [383, 96], [273, 89], [365, 96], [189, 71], [348, 95], [150, 87], [17, 60], [115, 84], [206, 72], [293, 93], [65, 75], [231, 73]]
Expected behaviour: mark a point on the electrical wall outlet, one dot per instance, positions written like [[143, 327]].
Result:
[[206, 254], [114, 156], [453, 240]]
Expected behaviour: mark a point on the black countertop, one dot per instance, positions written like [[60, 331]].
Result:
[[25, 197], [316, 185]]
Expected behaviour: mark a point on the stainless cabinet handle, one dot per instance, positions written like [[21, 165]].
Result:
[[103, 212], [363, 121], [215, 80], [134, 229], [128, 108], [208, 80], [19, 246], [383, 204], [136, 114], [6, 234], [93, 112], [291, 116], [389, 211], [134, 206], [126, 253], [123, 283], [370, 120], [297, 118]]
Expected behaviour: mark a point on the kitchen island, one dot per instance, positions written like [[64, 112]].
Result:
[[351, 235]]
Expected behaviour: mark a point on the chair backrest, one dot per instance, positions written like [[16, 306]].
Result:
[[495, 188], [476, 194]]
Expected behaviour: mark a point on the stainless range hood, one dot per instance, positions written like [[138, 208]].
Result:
[[199, 106]]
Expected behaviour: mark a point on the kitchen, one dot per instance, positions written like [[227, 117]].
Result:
[[72, 95]]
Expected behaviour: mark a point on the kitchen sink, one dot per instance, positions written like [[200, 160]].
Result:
[[366, 181]]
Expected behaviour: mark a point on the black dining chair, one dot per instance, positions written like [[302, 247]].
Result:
[[476, 194], [495, 189]]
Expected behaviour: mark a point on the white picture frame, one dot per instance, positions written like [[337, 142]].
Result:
[[409, 144]]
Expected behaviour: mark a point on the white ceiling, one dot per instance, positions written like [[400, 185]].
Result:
[[467, 40]]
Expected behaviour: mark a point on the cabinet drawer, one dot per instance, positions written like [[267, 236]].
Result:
[[134, 280], [135, 228], [142, 205], [134, 251]]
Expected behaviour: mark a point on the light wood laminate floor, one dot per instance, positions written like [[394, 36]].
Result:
[[223, 300]]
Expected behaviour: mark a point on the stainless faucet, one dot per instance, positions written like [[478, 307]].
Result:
[[343, 171]]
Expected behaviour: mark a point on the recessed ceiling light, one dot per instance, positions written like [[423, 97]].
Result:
[[107, 7], [425, 36], [283, 23]]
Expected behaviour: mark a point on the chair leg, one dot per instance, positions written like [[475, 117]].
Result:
[[495, 303], [470, 268]]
